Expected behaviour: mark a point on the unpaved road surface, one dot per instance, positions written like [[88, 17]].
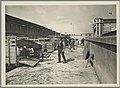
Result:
[[51, 72]]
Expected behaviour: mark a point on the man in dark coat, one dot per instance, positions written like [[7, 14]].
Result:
[[82, 42], [61, 49]]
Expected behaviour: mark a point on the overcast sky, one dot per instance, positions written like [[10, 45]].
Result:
[[62, 18]]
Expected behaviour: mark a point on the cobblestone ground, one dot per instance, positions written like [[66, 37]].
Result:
[[51, 72]]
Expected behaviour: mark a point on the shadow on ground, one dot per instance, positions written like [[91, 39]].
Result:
[[44, 60], [70, 59], [13, 66]]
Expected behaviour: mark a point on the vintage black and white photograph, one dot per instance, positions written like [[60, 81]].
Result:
[[65, 43]]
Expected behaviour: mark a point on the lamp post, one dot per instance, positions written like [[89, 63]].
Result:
[[73, 27]]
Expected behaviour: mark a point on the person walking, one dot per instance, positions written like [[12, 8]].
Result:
[[25, 52], [44, 51], [82, 42], [73, 43], [61, 49]]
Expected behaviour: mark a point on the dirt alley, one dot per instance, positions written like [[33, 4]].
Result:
[[51, 72]]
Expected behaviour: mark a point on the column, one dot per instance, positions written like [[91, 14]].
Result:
[[99, 27]]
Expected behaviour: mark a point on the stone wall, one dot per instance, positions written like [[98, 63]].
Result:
[[105, 59]]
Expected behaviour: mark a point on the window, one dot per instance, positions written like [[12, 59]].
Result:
[[13, 41], [13, 45]]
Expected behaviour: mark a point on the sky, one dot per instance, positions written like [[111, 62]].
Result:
[[68, 19]]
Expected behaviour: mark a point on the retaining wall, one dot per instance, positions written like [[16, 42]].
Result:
[[105, 60]]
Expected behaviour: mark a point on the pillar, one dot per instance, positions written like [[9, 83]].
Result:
[[99, 26]]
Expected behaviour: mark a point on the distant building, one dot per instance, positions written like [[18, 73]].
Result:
[[104, 27], [86, 34]]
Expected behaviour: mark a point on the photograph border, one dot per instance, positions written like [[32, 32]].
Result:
[[26, 3]]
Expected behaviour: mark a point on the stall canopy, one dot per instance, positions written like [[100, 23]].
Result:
[[28, 44]]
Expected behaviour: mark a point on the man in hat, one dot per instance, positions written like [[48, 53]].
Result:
[[61, 49]]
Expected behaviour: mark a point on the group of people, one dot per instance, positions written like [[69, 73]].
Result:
[[61, 46], [63, 42], [61, 50], [24, 51]]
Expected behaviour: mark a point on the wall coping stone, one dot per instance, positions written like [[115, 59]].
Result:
[[110, 40]]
